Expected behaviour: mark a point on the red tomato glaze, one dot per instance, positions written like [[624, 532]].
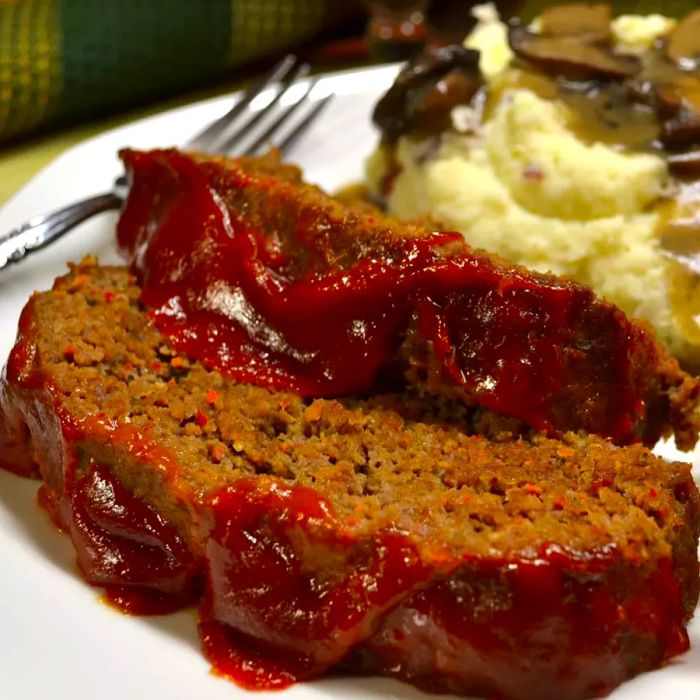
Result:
[[290, 589], [131, 559], [529, 629], [292, 593], [121, 542], [124, 545], [259, 585], [277, 313]]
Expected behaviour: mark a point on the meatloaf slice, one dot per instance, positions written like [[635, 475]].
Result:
[[382, 535], [274, 282]]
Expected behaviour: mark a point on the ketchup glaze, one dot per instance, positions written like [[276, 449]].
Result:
[[242, 272], [291, 590], [292, 593]]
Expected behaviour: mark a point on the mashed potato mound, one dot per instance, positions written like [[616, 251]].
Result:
[[528, 188]]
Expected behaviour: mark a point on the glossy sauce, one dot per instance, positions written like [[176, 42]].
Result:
[[293, 591], [481, 629], [216, 290], [121, 542], [267, 541], [139, 566], [277, 313], [291, 594], [123, 545]]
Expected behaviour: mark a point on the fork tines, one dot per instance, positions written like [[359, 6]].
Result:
[[277, 110], [274, 111]]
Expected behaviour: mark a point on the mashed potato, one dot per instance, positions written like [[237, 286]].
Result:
[[522, 184]]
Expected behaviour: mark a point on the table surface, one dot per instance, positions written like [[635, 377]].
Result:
[[20, 161]]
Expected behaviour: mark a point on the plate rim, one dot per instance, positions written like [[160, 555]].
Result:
[[628, 690]]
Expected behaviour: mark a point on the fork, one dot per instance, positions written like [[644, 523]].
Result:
[[225, 135]]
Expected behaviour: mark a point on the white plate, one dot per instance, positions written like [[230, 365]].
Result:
[[56, 639]]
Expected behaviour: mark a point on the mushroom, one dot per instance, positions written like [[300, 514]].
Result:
[[669, 98], [683, 43], [685, 165], [679, 101], [571, 56], [423, 95], [681, 131], [591, 21]]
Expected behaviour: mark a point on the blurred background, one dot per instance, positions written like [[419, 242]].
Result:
[[71, 68]]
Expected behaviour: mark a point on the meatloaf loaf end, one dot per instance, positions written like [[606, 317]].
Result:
[[383, 535]]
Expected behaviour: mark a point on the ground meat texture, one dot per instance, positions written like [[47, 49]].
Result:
[[275, 283], [401, 534]]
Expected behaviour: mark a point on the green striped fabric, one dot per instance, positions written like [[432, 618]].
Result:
[[63, 60], [30, 64]]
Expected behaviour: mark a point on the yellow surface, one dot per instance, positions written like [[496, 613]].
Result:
[[20, 161]]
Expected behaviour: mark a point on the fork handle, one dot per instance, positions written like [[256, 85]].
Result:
[[42, 230]]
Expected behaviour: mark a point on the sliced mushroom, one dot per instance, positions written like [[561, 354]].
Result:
[[453, 89], [426, 90], [579, 19], [682, 131], [669, 98], [683, 43], [683, 91], [685, 165], [571, 56], [680, 102]]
